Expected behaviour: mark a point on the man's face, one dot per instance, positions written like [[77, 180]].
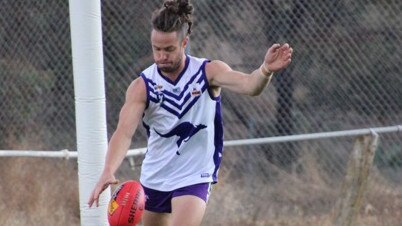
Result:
[[168, 50]]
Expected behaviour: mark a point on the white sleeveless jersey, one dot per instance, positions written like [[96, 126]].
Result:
[[184, 125]]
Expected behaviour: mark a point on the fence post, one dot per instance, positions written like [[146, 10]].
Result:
[[347, 207]]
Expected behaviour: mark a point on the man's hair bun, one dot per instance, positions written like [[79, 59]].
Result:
[[174, 15], [179, 7]]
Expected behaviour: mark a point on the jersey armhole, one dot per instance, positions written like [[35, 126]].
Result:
[[147, 89], [204, 74]]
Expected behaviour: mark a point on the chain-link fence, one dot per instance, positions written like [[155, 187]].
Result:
[[346, 74]]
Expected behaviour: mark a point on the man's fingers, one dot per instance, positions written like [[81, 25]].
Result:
[[91, 200], [115, 181], [274, 47], [106, 185], [281, 48], [286, 51], [285, 46], [94, 198], [289, 53]]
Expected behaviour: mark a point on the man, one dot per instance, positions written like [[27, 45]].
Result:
[[178, 100]]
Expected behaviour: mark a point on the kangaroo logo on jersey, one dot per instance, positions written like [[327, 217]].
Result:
[[184, 131]]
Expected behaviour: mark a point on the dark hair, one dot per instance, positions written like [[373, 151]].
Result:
[[174, 15]]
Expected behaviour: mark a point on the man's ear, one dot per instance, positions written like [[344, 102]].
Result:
[[185, 41]]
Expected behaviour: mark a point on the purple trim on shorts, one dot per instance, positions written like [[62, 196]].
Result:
[[161, 201], [199, 190]]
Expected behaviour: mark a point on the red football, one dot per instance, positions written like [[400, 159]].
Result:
[[127, 204]]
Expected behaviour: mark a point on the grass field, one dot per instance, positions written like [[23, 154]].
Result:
[[45, 192]]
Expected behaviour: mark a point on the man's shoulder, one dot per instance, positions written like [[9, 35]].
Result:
[[217, 64], [199, 60]]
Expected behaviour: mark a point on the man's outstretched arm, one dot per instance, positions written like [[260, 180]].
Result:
[[220, 74]]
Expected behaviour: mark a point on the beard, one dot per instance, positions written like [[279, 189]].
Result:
[[169, 67]]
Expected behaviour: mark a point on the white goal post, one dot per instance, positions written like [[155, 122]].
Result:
[[90, 105]]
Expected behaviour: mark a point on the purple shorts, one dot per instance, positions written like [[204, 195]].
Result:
[[161, 201]]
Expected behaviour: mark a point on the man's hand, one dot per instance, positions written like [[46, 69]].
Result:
[[278, 57], [102, 184]]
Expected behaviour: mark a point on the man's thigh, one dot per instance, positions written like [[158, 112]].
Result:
[[187, 210], [186, 204], [155, 219]]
